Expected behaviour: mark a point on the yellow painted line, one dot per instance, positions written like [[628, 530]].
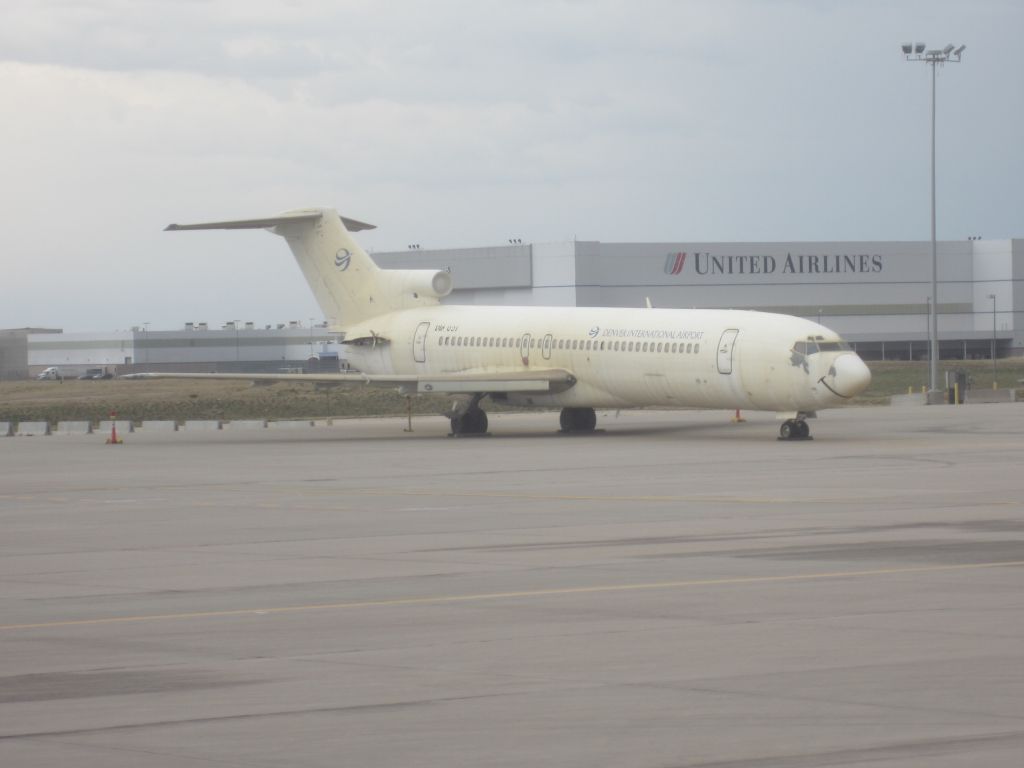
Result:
[[485, 596]]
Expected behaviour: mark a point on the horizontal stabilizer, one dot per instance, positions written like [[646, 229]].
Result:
[[269, 222]]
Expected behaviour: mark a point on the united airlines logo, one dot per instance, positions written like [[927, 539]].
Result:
[[674, 263], [343, 259]]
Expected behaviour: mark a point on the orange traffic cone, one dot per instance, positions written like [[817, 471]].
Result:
[[114, 439]]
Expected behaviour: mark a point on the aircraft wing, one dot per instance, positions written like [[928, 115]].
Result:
[[540, 381]]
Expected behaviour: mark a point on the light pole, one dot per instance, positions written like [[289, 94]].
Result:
[[993, 297], [935, 57], [145, 344]]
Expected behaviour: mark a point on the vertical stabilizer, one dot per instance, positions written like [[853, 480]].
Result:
[[349, 287], [341, 275]]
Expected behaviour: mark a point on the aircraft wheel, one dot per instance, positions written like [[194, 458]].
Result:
[[577, 419], [565, 420], [787, 429], [587, 420], [472, 422], [479, 421], [803, 430]]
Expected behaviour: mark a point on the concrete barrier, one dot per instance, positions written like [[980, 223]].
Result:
[[290, 424], [245, 424], [159, 426], [123, 426], [201, 425], [5, 429], [975, 396], [74, 428], [916, 398], [29, 428]]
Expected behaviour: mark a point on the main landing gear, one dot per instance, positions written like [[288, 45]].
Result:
[[795, 429], [577, 419]]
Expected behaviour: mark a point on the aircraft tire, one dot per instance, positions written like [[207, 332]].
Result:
[[577, 419], [479, 421], [472, 422]]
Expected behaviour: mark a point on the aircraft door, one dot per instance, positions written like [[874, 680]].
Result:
[[545, 347], [725, 349], [419, 343], [524, 348]]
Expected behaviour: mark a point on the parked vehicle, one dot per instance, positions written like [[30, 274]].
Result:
[[52, 372]]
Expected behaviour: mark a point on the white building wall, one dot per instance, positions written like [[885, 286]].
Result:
[[77, 351]]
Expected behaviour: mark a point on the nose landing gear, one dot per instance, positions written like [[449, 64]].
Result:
[[795, 429]]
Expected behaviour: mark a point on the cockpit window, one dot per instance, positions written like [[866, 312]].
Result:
[[812, 347]]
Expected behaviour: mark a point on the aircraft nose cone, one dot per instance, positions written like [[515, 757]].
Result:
[[851, 375]]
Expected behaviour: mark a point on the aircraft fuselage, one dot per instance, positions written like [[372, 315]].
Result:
[[625, 357]]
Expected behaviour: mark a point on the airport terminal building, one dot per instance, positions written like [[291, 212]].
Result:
[[875, 294]]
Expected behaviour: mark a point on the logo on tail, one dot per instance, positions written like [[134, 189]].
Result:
[[343, 259]]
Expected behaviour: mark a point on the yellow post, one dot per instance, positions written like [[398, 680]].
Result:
[[924, 390], [956, 393], [994, 386], [910, 390]]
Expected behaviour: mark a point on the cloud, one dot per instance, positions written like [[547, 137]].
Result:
[[464, 123]]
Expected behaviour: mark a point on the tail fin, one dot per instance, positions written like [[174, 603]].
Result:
[[347, 284]]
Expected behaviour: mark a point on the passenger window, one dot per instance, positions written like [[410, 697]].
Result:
[[689, 348], [645, 346], [630, 346], [602, 346], [588, 345], [659, 346], [696, 349]]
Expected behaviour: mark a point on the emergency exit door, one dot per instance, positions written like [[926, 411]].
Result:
[[726, 345], [419, 343]]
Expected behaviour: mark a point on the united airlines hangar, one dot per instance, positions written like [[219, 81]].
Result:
[[876, 295]]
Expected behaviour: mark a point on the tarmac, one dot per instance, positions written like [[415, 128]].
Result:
[[675, 590]]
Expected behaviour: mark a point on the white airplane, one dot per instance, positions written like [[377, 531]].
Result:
[[577, 358]]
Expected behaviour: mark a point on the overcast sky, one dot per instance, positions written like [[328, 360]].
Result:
[[466, 122]]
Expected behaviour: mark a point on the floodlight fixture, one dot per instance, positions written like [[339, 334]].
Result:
[[959, 51], [908, 48], [948, 49], [919, 48]]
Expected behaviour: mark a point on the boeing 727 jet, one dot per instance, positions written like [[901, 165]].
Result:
[[398, 333]]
